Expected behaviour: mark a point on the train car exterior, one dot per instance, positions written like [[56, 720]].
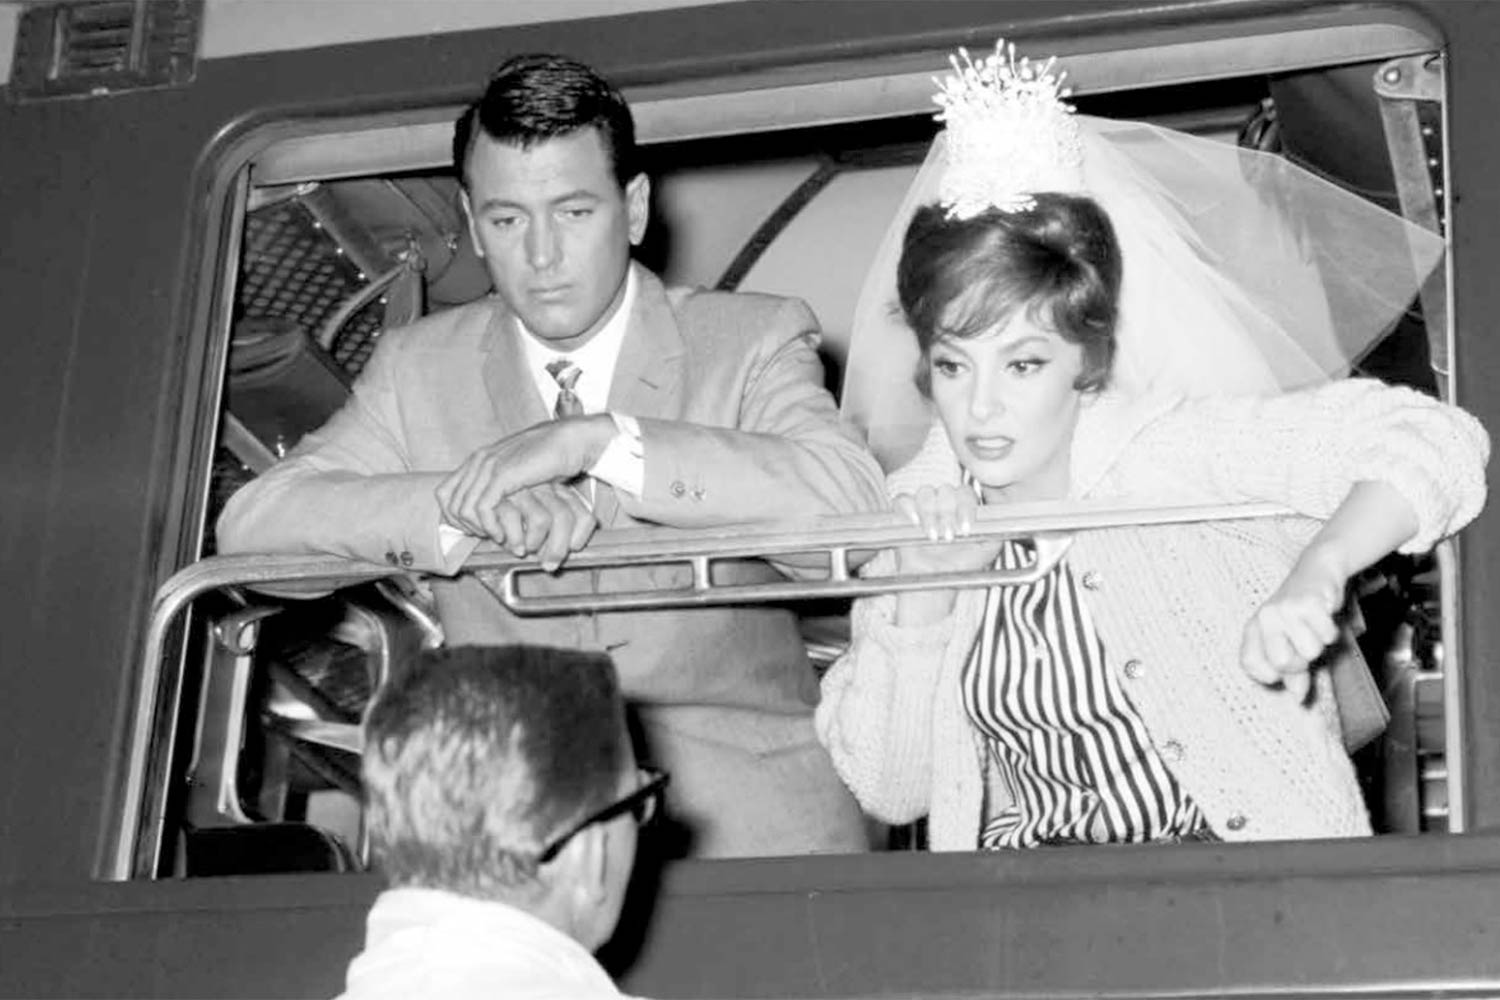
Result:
[[112, 245]]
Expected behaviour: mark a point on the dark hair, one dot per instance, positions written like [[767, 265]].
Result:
[[475, 755], [1058, 260], [533, 98]]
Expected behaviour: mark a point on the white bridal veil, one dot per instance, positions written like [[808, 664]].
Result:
[[1243, 273]]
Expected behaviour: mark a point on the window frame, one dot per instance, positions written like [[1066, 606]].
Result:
[[303, 143]]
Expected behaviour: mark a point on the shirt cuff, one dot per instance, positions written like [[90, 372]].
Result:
[[622, 464], [448, 539]]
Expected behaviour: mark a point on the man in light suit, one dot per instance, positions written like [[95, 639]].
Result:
[[585, 392]]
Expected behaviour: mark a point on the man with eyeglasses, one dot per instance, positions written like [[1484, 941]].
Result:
[[503, 804]]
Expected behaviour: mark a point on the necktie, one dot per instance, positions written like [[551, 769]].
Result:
[[566, 373]]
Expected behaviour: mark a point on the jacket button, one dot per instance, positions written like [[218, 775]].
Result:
[[1235, 822], [678, 488], [390, 557], [407, 559], [1092, 580], [1135, 669], [1172, 751]]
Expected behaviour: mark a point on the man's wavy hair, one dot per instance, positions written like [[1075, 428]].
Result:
[[536, 97], [475, 755]]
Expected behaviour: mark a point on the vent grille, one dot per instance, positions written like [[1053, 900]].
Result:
[[95, 47]]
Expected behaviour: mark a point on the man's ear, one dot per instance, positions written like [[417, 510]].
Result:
[[588, 865], [638, 207], [463, 197]]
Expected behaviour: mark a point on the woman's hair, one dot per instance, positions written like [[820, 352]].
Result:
[[1058, 260]]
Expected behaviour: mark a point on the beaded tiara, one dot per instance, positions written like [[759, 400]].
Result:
[[1009, 133]]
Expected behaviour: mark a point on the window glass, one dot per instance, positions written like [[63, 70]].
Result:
[[265, 760]]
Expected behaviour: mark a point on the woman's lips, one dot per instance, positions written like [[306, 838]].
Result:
[[989, 449]]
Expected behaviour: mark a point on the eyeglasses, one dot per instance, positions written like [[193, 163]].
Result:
[[642, 804]]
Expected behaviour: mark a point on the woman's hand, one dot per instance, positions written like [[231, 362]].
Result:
[[1296, 624], [1291, 630], [946, 514]]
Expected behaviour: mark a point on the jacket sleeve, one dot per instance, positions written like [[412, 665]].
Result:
[[876, 713], [1307, 449], [348, 489], [788, 455]]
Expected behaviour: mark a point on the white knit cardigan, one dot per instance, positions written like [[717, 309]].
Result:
[[1169, 600]]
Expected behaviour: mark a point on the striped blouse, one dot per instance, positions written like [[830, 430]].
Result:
[[1059, 729]]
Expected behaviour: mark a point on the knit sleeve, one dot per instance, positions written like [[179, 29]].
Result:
[[876, 712], [1307, 449], [933, 465]]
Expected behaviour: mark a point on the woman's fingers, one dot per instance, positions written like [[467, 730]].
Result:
[[1283, 639], [943, 512]]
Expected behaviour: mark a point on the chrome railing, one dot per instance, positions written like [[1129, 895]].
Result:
[[824, 554]]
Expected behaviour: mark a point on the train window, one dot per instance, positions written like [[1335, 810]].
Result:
[[245, 744]]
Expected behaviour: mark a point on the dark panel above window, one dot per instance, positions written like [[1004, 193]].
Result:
[[96, 47]]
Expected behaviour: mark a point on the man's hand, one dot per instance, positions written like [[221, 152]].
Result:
[[548, 521], [1295, 625], [516, 490], [553, 452]]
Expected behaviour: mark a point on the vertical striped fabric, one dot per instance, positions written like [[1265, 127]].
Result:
[[1069, 746]]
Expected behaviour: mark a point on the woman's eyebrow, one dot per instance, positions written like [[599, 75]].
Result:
[[1028, 341]]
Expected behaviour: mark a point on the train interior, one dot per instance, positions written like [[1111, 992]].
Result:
[[264, 761]]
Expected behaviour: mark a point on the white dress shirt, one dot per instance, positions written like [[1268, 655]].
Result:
[[426, 944], [622, 464]]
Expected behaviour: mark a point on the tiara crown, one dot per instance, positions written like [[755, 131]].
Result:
[[1009, 132]]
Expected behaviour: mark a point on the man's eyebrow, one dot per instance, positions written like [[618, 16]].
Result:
[[579, 194]]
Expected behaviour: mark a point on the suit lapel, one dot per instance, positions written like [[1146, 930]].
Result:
[[512, 392], [648, 375]]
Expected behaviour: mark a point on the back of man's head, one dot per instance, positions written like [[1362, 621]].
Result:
[[475, 755], [535, 97]]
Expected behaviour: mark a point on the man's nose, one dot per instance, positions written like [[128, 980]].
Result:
[[542, 250]]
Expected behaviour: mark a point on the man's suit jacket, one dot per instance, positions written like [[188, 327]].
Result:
[[736, 426]]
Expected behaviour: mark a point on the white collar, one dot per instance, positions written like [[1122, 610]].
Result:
[[596, 359], [428, 942]]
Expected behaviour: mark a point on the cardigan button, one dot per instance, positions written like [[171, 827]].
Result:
[[1092, 580], [1235, 822], [1135, 669], [1173, 751]]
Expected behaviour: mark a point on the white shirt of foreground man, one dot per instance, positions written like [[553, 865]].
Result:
[[426, 943]]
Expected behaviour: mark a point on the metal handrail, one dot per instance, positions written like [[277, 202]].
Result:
[[835, 538]]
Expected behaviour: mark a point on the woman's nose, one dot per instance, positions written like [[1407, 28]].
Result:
[[984, 399]]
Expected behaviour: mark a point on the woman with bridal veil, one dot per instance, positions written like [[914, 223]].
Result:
[[1076, 309]]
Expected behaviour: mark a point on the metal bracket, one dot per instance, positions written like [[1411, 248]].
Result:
[[704, 592], [1411, 94]]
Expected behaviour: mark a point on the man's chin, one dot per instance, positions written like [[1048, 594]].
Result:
[[554, 329]]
